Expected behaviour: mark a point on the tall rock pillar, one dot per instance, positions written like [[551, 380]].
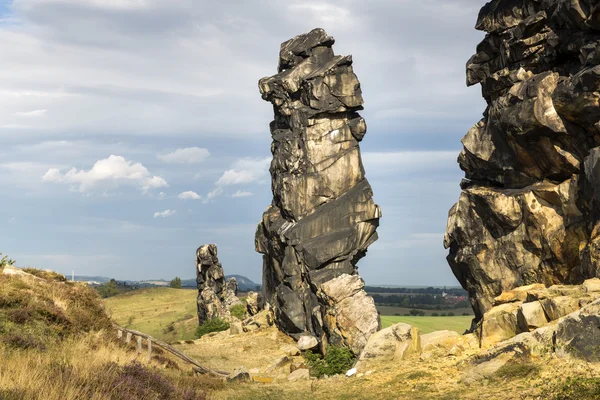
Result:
[[322, 217]]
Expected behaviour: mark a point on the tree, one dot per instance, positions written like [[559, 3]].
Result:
[[175, 283], [108, 289]]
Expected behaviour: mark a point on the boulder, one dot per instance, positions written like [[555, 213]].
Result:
[[529, 208], [239, 375], [438, 342], [578, 334], [531, 316], [557, 307], [307, 342], [322, 218], [391, 343], [299, 375], [352, 317], [518, 294], [277, 364], [500, 323], [235, 328], [592, 285]]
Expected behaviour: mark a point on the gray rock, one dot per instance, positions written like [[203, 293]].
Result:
[[239, 375], [390, 343], [578, 334], [235, 328], [307, 342], [322, 218], [529, 211], [557, 307], [531, 316], [215, 297]]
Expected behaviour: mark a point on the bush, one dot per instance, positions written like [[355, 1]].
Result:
[[238, 311], [175, 283], [435, 314], [212, 325], [450, 314], [109, 289], [338, 360], [4, 261]]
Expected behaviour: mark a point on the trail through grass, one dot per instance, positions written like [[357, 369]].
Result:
[[429, 324]]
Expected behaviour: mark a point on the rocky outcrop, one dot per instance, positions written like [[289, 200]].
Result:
[[322, 218], [529, 208], [215, 296], [528, 308]]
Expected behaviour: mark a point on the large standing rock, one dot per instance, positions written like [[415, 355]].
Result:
[[529, 210], [215, 297], [322, 218]]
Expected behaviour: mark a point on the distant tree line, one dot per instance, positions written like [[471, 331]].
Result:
[[422, 301], [429, 290]]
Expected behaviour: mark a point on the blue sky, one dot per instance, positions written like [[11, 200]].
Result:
[[132, 131]]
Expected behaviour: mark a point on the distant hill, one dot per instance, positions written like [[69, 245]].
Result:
[[244, 284]]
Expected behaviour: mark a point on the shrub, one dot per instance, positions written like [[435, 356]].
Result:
[[212, 325], [175, 283], [109, 289], [435, 314], [450, 314], [4, 261], [338, 360], [238, 311]]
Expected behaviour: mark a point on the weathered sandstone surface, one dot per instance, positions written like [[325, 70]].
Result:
[[529, 208], [215, 296], [322, 217]]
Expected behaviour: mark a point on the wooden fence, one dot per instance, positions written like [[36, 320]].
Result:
[[196, 366]]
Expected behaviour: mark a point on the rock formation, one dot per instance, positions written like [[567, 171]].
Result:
[[215, 296], [529, 208], [322, 218]]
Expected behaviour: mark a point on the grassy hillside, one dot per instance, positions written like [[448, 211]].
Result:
[[165, 313], [57, 343], [429, 324]]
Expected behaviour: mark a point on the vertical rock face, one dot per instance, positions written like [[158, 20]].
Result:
[[529, 208], [215, 296], [322, 218]]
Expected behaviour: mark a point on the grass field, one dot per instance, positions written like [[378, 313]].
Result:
[[170, 314], [393, 310], [429, 324], [153, 310]]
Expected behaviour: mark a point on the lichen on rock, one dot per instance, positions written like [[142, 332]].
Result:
[[322, 218]]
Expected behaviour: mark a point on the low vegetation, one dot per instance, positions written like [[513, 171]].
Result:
[[338, 360], [4, 260], [238, 311], [57, 342], [212, 325], [578, 387]]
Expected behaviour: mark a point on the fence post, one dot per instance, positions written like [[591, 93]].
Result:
[[139, 345], [149, 356], [119, 334], [128, 337]]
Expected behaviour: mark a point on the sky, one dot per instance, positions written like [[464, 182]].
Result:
[[132, 131]]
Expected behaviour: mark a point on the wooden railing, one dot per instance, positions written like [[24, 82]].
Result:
[[196, 366]]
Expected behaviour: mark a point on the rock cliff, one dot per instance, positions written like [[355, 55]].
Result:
[[215, 296], [322, 217], [529, 210]]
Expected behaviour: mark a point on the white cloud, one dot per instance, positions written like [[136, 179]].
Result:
[[165, 214], [110, 172], [189, 155], [189, 195], [212, 194], [246, 170], [162, 195], [241, 193], [34, 113]]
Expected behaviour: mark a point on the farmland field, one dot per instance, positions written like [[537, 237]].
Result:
[[429, 324]]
